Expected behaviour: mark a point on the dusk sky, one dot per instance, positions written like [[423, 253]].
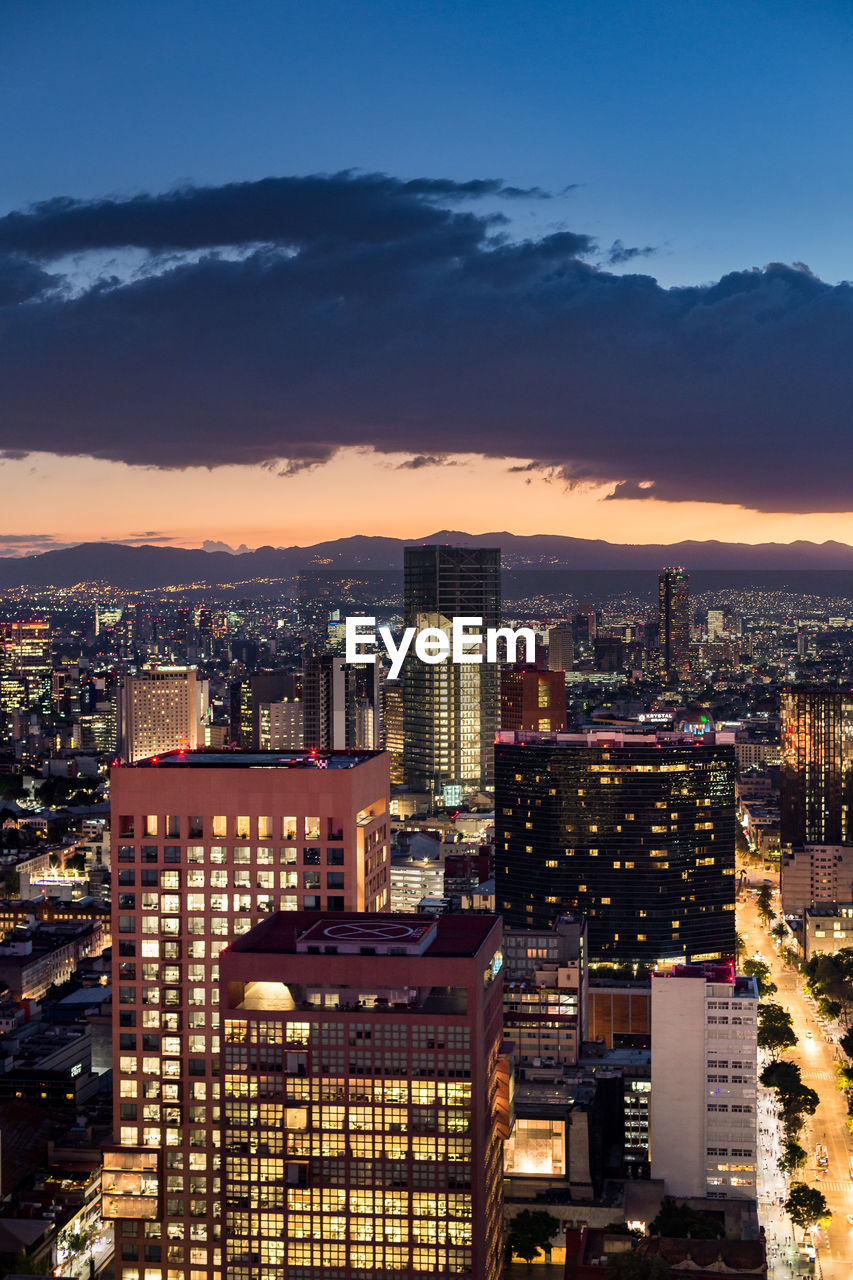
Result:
[[276, 272]]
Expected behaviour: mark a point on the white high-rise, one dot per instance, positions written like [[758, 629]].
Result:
[[703, 1123], [162, 709]]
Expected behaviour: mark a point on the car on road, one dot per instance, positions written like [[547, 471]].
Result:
[[809, 1034]]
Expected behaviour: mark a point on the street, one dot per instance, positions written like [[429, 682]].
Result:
[[815, 1057]]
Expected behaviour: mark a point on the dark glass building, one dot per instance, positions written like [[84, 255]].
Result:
[[636, 831], [451, 710], [817, 765], [674, 609]]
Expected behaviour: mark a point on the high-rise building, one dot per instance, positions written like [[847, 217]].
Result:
[[341, 704], [365, 1098], [25, 666], [703, 1124], [561, 647], [533, 700], [815, 873], [816, 783], [203, 845], [634, 830], [393, 727], [247, 696], [451, 709], [674, 614], [716, 624], [162, 709], [281, 725]]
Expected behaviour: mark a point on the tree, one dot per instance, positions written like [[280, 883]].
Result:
[[530, 1231], [846, 1042], [761, 972], [764, 904], [630, 1265], [829, 1009], [678, 1221], [784, 1077], [775, 1029], [793, 1156], [740, 945], [806, 1206], [779, 931]]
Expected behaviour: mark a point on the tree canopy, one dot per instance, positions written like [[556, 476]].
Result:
[[775, 1029], [680, 1221], [806, 1206]]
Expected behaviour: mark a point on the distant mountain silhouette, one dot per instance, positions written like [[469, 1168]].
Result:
[[153, 566]]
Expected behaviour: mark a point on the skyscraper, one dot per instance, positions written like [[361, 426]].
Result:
[[204, 844], [25, 666], [162, 709], [635, 830], [341, 704], [816, 781], [451, 710], [561, 647], [674, 610], [365, 1097]]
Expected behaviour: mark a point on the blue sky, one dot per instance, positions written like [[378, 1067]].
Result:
[[716, 132], [198, 311]]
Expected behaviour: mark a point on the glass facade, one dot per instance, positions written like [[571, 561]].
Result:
[[451, 711], [639, 837]]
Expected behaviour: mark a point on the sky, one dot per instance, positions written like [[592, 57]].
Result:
[[274, 272]]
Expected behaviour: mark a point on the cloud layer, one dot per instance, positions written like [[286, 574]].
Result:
[[278, 321]]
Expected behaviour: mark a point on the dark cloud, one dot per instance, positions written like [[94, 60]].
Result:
[[619, 253], [358, 310], [425, 460]]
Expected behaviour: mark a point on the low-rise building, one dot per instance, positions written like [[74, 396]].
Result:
[[827, 927]]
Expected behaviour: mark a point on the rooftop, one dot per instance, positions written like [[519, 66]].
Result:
[[205, 758], [622, 735], [347, 932]]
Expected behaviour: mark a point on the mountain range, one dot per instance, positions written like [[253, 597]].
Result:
[[141, 567]]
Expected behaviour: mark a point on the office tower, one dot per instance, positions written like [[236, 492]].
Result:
[[247, 696], [392, 728], [204, 844], [716, 624], [25, 666], [365, 1097], [634, 830], [703, 1124], [561, 647], [586, 620], [545, 990], [674, 614], [162, 709], [341, 704], [281, 725], [816, 783], [533, 700], [451, 710]]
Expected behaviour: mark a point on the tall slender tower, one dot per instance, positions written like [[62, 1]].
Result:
[[674, 605], [451, 711], [817, 766]]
